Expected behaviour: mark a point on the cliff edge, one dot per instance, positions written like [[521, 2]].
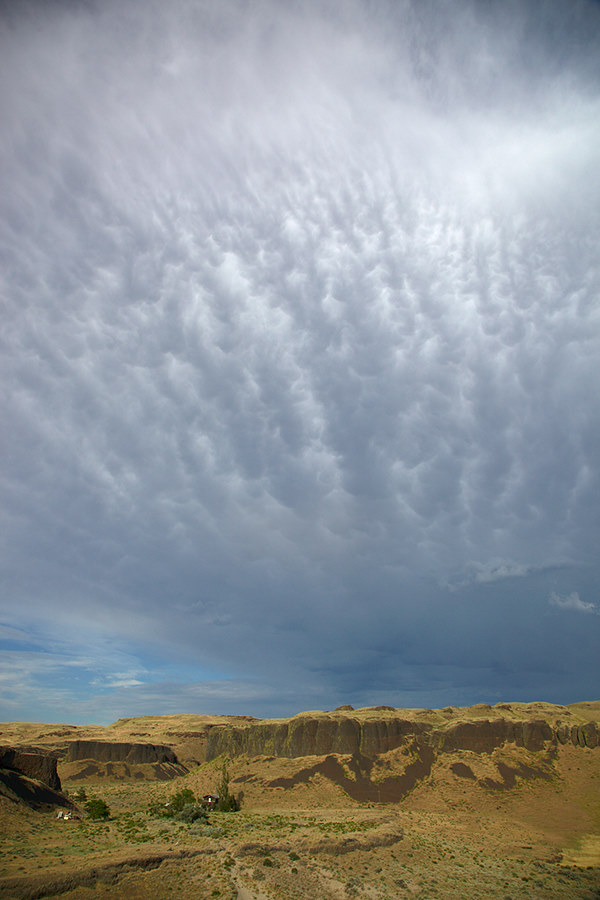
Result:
[[374, 731]]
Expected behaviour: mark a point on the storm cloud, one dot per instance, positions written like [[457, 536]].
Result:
[[300, 350]]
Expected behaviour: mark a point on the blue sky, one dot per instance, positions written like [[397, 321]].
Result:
[[300, 348]]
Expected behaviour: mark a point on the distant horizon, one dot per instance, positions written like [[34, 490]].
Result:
[[300, 713]]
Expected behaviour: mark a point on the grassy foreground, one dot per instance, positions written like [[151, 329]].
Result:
[[447, 839]]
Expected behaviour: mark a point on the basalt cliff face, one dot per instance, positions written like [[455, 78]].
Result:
[[535, 734], [116, 751], [307, 736], [319, 736], [38, 765]]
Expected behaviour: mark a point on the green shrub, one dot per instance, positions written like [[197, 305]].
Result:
[[97, 809], [227, 802], [177, 803], [191, 812], [182, 798]]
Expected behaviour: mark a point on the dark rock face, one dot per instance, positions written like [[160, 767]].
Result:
[[109, 751], [587, 735], [17, 788], [485, 736], [308, 736], [481, 737], [533, 735], [40, 766], [388, 734], [314, 736]]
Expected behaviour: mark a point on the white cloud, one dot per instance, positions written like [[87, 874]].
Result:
[[488, 572], [572, 602], [497, 570]]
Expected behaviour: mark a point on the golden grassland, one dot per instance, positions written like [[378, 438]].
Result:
[[449, 837]]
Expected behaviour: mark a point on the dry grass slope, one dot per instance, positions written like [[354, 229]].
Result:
[[412, 822]]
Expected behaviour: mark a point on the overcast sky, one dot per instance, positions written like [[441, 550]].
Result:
[[300, 353]]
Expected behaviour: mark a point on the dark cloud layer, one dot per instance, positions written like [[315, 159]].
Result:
[[300, 353]]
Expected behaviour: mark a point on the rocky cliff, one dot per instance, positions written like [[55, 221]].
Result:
[[587, 735], [485, 736], [167, 744], [307, 736], [38, 765], [319, 736], [114, 751]]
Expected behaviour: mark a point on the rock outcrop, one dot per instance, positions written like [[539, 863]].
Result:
[[587, 735], [320, 736], [37, 765], [306, 736], [484, 736], [113, 751]]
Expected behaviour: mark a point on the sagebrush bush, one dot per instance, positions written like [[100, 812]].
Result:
[[175, 806], [192, 812]]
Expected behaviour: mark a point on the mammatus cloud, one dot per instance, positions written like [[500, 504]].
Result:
[[572, 602], [300, 340]]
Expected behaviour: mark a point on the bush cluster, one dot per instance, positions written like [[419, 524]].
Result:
[[185, 807], [192, 812], [97, 809], [182, 806]]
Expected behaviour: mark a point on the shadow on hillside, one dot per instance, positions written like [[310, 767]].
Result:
[[361, 788]]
